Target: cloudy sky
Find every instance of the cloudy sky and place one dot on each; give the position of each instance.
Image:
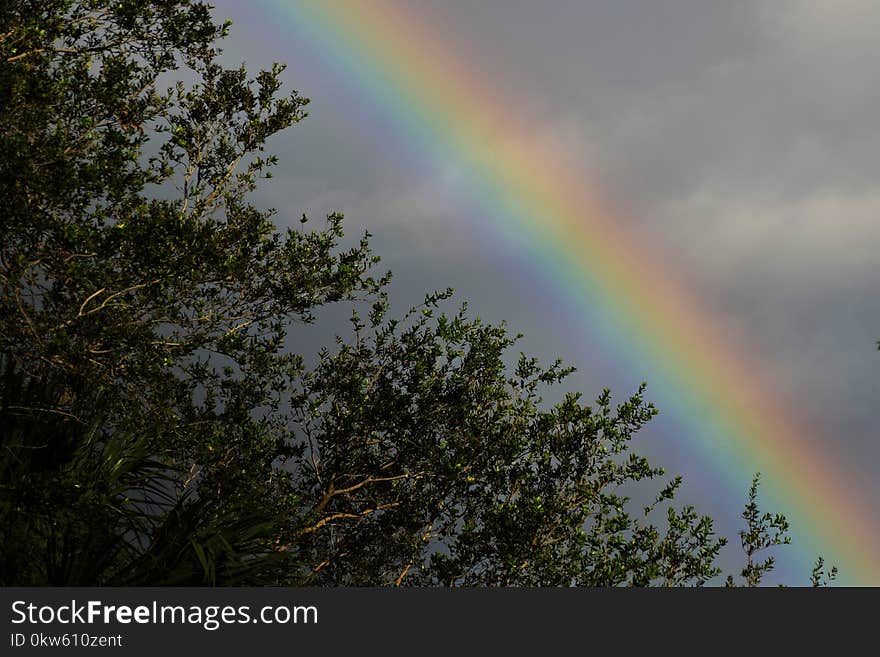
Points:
(739, 140)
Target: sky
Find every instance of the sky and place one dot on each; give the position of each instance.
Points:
(738, 141)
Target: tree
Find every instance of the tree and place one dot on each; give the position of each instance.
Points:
(145, 290)
(155, 411)
(83, 505)
(422, 455)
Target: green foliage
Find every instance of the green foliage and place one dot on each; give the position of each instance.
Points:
(763, 531)
(820, 576)
(136, 277)
(423, 455)
(158, 425)
(80, 506)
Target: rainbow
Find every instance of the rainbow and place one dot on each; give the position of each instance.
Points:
(620, 292)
